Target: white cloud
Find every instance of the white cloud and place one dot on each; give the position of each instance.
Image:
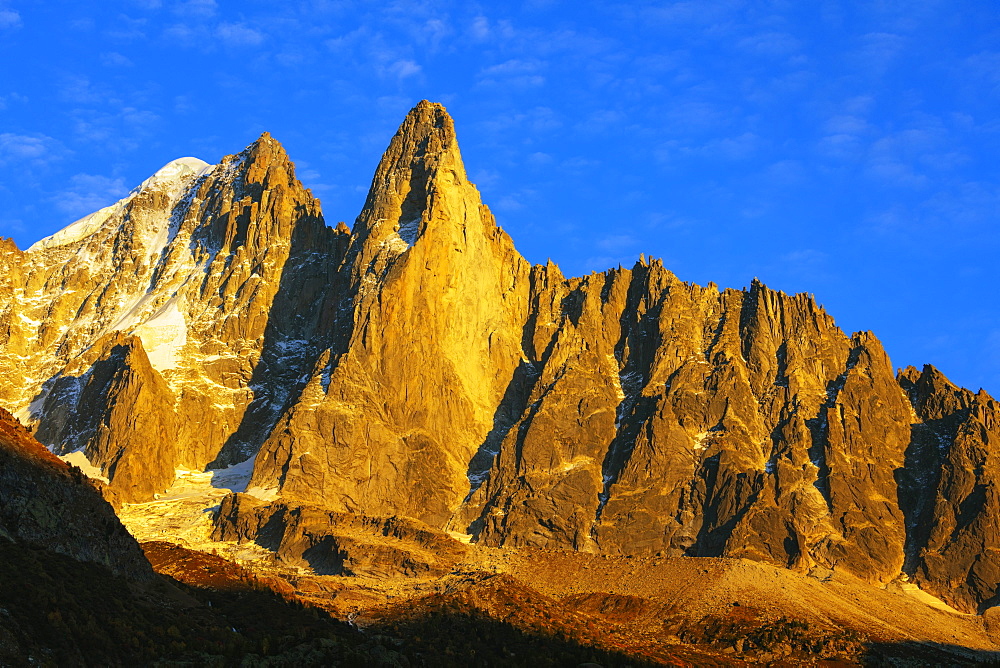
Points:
(117, 130)
(841, 146)
(7, 100)
(617, 243)
(770, 44)
(239, 34)
(435, 30)
(604, 262)
(509, 203)
(786, 173)
(486, 178)
(202, 9)
(513, 66)
(895, 172)
(514, 73)
(730, 148)
(115, 59)
(675, 13)
(579, 165)
(402, 69)
(122, 29)
(846, 124)
(9, 19)
(481, 28)
(879, 50)
(539, 158)
(12, 226)
(688, 116)
(81, 90)
(536, 119)
(29, 149)
(517, 200)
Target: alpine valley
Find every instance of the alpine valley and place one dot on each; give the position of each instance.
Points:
(401, 444)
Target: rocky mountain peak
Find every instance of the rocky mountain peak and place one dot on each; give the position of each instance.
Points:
(421, 163)
(266, 164)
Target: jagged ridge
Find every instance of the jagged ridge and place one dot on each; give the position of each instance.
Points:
(418, 366)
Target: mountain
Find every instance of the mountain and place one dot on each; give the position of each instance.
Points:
(416, 366)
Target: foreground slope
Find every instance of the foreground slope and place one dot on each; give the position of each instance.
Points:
(77, 590)
(49, 505)
(418, 366)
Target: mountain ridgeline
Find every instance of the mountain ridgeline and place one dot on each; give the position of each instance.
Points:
(417, 366)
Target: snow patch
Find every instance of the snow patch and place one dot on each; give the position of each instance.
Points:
(173, 173)
(396, 244)
(408, 231)
(699, 440)
(183, 513)
(575, 463)
(164, 335)
(461, 537)
(172, 178)
(80, 461)
(263, 493)
(77, 231)
(914, 591)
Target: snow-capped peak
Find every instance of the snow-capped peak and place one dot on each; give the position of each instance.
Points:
(175, 172)
(172, 177)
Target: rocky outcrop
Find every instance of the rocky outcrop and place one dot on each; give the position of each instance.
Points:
(332, 543)
(951, 489)
(114, 406)
(667, 418)
(214, 271)
(45, 503)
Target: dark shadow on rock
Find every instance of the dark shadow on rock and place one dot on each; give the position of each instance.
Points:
(301, 323)
(272, 531)
(729, 495)
(326, 557)
(512, 406)
(641, 336)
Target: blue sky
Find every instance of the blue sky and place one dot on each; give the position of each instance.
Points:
(845, 149)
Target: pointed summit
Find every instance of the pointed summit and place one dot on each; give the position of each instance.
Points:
(265, 164)
(425, 136)
(423, 157)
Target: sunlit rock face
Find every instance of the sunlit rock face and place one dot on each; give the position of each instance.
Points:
(417, 366)
(437, 298)
(212, 271)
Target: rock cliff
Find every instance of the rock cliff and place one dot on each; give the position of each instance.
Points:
(416, 366)
(436, 295)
